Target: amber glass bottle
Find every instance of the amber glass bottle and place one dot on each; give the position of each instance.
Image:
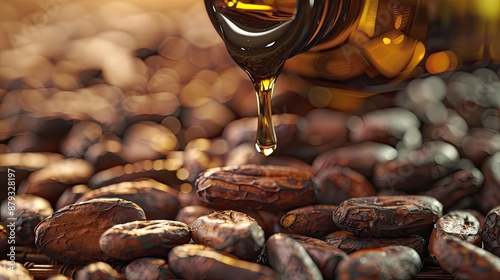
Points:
(356, 48)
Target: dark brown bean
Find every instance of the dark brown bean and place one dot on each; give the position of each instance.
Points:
(81, 136)
(453, 129)
(391, 262)
(158, 200)
(386, 126)
(388, 216)
(106, 153)
(489, 196)
(194, 261)
(456, 186)
(190, 213)
(265, 187)
(479, 144)
(72, 233)
(325, 256)
(161, 170)
(288, 257)
(25, 224)
(29, 202)
(458, 223)
(419, 169)
(97, 270)
(324, 129)
(231, 232)
(360, 157)
(464, 260)
(348, 242)
(23, 164)
(340, 183)
(138, 239)
(313, 220)
(149, 269)
(147, 140)
(71, 195)
(51, 181)
(246, 153)
(491, 231)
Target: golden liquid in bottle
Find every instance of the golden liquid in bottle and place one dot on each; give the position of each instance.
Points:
(260, 37)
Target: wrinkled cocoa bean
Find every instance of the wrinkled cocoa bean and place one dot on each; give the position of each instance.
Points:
(137, 239)
(265, 187)
(194, 261)
(231, 232)
(388, 216)
(314, 220)
(72, 233)
(391, 262)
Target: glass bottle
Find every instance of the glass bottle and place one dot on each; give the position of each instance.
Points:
(354, 48)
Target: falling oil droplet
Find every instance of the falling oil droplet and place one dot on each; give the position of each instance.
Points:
(266, 137)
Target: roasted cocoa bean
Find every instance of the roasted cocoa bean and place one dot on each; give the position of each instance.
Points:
(81, 136)
(51, 181)
(460, 224)
(137, 239)
(464, 260)
(25, 224)
(23, 165)
(72, 233)
(189, 214)
(419, 169)
(386, 126)
(489, 196)
(288, 257)
(360, 157)
(31, 203)
(491, 231)
(456, 186)
(246, 153)
(325, 256)
(229, 231)
(161, 170)
(71, 195)
(106, 153)
(195, 261)
(149, 269)
(348, 242)
(479, 144)
(158, 200)
(313, 220)
(97, 270)
(147, 140)
(337, 184)
(391, 262)
(265, 187)
(388, 216)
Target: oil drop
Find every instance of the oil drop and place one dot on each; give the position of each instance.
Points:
(266, 136)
